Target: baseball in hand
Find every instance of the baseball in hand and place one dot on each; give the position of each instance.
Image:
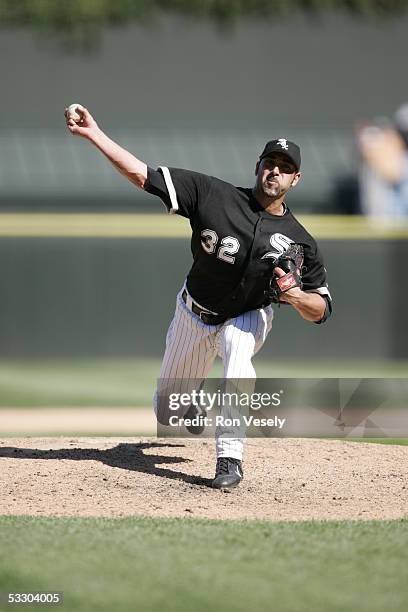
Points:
(75, 112)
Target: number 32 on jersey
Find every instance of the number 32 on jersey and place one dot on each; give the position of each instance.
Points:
(225, 251)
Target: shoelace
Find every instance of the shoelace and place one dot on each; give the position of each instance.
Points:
(222, 466)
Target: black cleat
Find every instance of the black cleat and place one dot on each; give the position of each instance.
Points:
(199, 414)
(228, 473)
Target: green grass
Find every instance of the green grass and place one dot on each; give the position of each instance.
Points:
(398, 441)
(131, 382)
(183, 564)
(92, 382)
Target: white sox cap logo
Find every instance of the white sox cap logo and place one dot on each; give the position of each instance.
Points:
(283, 143)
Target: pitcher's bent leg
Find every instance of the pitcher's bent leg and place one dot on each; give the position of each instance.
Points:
(189, 355)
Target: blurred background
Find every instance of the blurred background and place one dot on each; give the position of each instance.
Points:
(90, 266)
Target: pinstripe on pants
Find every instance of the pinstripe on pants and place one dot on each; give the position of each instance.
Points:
(192, 346)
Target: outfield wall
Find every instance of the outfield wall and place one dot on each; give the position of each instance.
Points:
(75, 297)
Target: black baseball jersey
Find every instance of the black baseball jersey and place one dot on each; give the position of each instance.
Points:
(235, 242)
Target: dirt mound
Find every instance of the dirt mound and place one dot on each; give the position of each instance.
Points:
(287, 479)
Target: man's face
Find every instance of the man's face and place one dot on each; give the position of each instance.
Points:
(275, 175)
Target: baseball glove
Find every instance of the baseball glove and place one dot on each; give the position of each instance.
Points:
(290, 262)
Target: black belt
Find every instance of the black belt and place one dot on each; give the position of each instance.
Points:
(206, 317)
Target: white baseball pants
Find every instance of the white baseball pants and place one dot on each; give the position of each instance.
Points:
(192, 346)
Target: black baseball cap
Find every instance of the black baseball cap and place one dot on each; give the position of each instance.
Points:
(281, 145)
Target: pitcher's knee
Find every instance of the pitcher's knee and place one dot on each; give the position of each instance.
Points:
(161, 408)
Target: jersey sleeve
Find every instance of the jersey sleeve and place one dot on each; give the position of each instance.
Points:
(314, 278)
(182, 191)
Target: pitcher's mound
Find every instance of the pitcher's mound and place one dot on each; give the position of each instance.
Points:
(287, 479)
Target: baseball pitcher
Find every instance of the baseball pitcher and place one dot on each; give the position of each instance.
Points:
(249, 252)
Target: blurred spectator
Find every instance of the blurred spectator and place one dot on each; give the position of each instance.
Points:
(383, 174)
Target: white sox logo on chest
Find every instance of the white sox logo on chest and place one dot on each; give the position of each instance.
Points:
(280, 243)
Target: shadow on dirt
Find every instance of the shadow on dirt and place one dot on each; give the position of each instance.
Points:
(124, 456)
